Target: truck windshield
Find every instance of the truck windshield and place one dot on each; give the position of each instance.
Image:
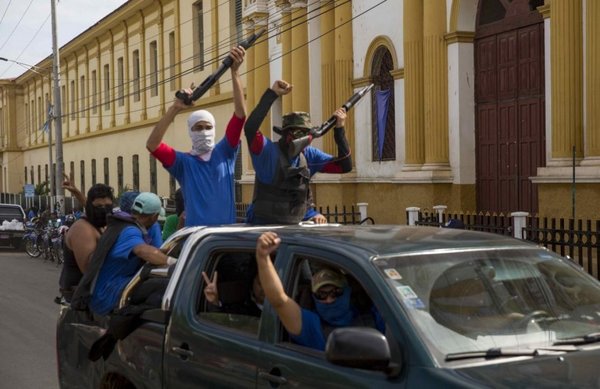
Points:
(464, 301)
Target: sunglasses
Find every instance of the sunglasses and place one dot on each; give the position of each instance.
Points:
(299, 132)
(323, 294)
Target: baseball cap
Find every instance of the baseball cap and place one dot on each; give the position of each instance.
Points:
(296, 120)
(327, 277)
(127, 199)
(147, 203)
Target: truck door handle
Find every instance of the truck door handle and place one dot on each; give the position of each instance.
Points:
(276, 379)
(184, 352)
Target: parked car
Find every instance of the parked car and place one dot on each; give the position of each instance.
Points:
(462, 309)
(12, 225)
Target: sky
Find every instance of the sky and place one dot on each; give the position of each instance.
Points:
(26, 28)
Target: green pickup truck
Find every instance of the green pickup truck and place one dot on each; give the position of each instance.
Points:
(462, 309)
(12, 225)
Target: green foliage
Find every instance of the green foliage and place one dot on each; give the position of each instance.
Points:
(42, 189)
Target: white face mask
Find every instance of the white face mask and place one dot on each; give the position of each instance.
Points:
(202, 141)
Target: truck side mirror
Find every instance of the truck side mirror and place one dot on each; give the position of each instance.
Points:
(360, 347)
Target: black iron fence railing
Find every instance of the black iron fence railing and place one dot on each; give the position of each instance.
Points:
(336, 214)
(577, 239)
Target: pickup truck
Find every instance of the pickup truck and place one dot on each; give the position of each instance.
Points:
(12, 225)
(462, 309)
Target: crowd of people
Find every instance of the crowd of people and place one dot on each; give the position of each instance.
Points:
(105, 249)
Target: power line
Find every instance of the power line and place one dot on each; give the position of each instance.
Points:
(168, 79)
(17, 25)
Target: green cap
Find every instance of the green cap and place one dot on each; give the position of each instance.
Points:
(327, 276)
(296, 120)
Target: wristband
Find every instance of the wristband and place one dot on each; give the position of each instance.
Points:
(171, 261)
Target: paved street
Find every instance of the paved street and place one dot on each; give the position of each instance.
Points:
(27, 321)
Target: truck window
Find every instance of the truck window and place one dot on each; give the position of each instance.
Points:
(364, 312)
(230, 294)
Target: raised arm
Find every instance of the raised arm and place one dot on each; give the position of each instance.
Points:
(159, 130)
(68, 185)
(287, 309)
(343, 163)
(252, 126)
(239, 103)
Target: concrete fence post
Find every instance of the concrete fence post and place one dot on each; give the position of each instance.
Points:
(519, 222)
(413, 215)
(362, 208)
(440, 209)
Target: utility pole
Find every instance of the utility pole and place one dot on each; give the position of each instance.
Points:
(50, 111)
(60, 191)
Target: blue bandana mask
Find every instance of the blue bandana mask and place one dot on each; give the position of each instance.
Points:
(338, 313)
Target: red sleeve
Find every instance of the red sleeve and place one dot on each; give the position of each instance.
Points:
(332, 167)
(257, 143)
(165, 154)
(234, 130)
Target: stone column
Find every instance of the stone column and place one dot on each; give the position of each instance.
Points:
(413, 84)
(300, 99)
(286, 50)
(435, 96)
(567, 80)
(592, 77)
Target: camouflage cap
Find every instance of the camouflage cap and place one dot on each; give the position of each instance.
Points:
(327, 276)
(296, 120)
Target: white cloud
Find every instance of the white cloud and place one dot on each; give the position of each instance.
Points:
(72, 17)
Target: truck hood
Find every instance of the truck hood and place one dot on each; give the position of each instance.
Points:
(578, 369)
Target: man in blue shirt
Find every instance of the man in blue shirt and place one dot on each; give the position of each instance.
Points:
(331, 295)
(206, 172)
(137, 243)
(284, 168)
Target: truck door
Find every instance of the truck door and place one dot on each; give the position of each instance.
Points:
(216, 344)
(285, 364)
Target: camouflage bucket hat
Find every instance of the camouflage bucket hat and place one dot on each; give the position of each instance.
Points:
(296, 120)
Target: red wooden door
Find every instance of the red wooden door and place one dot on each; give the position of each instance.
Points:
(509, 97)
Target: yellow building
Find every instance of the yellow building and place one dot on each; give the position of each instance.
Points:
(490, 101)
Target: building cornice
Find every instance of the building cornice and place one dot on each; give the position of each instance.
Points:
(459, 37)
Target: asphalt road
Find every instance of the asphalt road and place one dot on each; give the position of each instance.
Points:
(27, 321)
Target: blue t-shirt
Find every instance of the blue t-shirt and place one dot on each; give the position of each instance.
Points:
(119, 267)
(312, 333)
(267, 162)
(207, 186)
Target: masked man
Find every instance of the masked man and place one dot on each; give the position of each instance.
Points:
(82, 237)
(206, 173)
(330, 293)
(283, 169)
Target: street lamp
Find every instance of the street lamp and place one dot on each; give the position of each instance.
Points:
(33, 68)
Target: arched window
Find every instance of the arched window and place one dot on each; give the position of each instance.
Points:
(382, 108)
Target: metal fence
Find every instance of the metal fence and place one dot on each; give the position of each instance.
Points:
(40, 202)
(577, 239)
(337, 214)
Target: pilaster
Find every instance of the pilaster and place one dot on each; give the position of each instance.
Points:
(343, 68)
(327, 22)
(299, 59)
(567, 81)
(413, 84)
(435, 96)
(592, 78)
